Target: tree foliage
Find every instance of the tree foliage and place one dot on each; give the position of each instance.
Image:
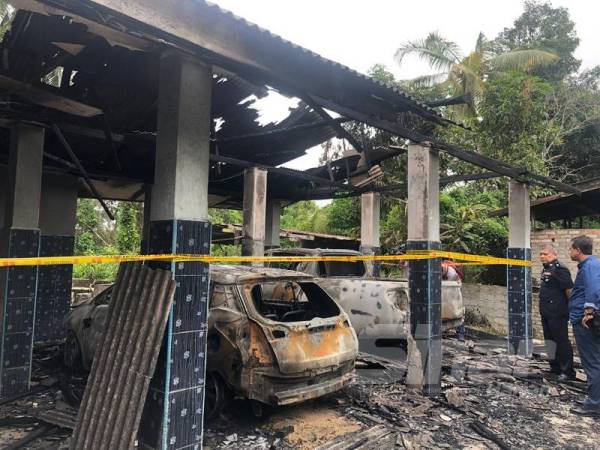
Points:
(127, 228)
(543, 26)
(304, 216)
(343, 216)
(514, 125)
(96, 235)
(459, 75)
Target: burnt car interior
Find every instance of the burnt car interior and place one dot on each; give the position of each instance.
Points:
(290, 301)
(341, 269)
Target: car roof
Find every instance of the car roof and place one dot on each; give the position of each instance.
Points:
(228, 274)
(313, 251)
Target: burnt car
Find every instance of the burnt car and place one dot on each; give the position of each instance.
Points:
(378, 307)
(274, 337)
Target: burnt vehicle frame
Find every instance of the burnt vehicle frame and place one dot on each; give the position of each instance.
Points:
(275, 337)
(378, 308)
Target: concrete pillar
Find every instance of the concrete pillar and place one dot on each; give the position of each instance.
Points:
(173, 416)
(255, 210)
(273, 224)
(145, 238)
(58, 216)
(20, 238)
(425, 276)
(369, 226)
(519, 292)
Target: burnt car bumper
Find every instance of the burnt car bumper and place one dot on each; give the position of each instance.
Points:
(300, 394)
(282, 390)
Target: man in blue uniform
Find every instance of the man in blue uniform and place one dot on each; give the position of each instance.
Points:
(584, 314)
(555, 289)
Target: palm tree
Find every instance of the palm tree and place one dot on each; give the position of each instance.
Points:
(6, 14)
(464, 76)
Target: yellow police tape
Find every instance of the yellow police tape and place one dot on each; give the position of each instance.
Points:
(465, 258)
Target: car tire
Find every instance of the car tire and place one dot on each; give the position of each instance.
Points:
(72, 353)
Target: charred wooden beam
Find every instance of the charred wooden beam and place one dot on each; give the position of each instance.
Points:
(84, 174)
(472, 157)
(457, 100)
(111, 143)
(278, 170)
(342, 132)
(468, 177)
(284, 131)
(327, 193)
(44, 96)
(205, 29)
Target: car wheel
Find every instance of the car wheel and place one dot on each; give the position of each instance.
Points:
(214, 395)
(72, 353)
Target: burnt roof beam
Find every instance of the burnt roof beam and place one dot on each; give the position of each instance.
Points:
(284, 131)
(230, 42)
(472, 157)
(82, 170)
(278, 170)
(235, 44)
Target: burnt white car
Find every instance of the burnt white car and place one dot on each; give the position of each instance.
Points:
(275, 337)
(378, 307)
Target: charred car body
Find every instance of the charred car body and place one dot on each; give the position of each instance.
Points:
(274, 336)
(378, 308)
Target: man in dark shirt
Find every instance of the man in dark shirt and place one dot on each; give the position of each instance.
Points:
(555, 288)
(584, 307)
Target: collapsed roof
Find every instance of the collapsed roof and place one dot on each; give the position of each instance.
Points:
(90, 67)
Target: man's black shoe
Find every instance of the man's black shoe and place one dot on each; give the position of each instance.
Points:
(587, 412)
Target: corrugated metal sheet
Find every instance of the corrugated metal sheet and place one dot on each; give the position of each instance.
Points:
(413, 103)
(63, 418)
(125, 359)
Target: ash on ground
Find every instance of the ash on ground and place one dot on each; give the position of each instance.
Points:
(489, 400)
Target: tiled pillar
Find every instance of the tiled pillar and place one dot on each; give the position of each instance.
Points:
(173, 416)
(369, 226)
(20, 238)
(518, 278)
(58, 216)
(425, 276)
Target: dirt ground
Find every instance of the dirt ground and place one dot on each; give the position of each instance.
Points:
(489, 400)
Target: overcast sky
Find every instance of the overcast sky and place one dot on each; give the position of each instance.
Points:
(360, 33)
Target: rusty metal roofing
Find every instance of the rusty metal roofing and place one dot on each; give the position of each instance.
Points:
(125, 359)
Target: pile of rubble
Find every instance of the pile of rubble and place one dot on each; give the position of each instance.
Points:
(489, 400)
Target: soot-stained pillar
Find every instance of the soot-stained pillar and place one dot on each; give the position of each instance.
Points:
(369, 226)
(273, 224)
(173, 415)
(58, 216)
(20, 238)
(255, 204)
(519, 277)
(146, 220)
(425, 276)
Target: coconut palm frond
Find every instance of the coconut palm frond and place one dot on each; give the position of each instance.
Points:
(523, 59)
(439, 53)
(427, 80)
